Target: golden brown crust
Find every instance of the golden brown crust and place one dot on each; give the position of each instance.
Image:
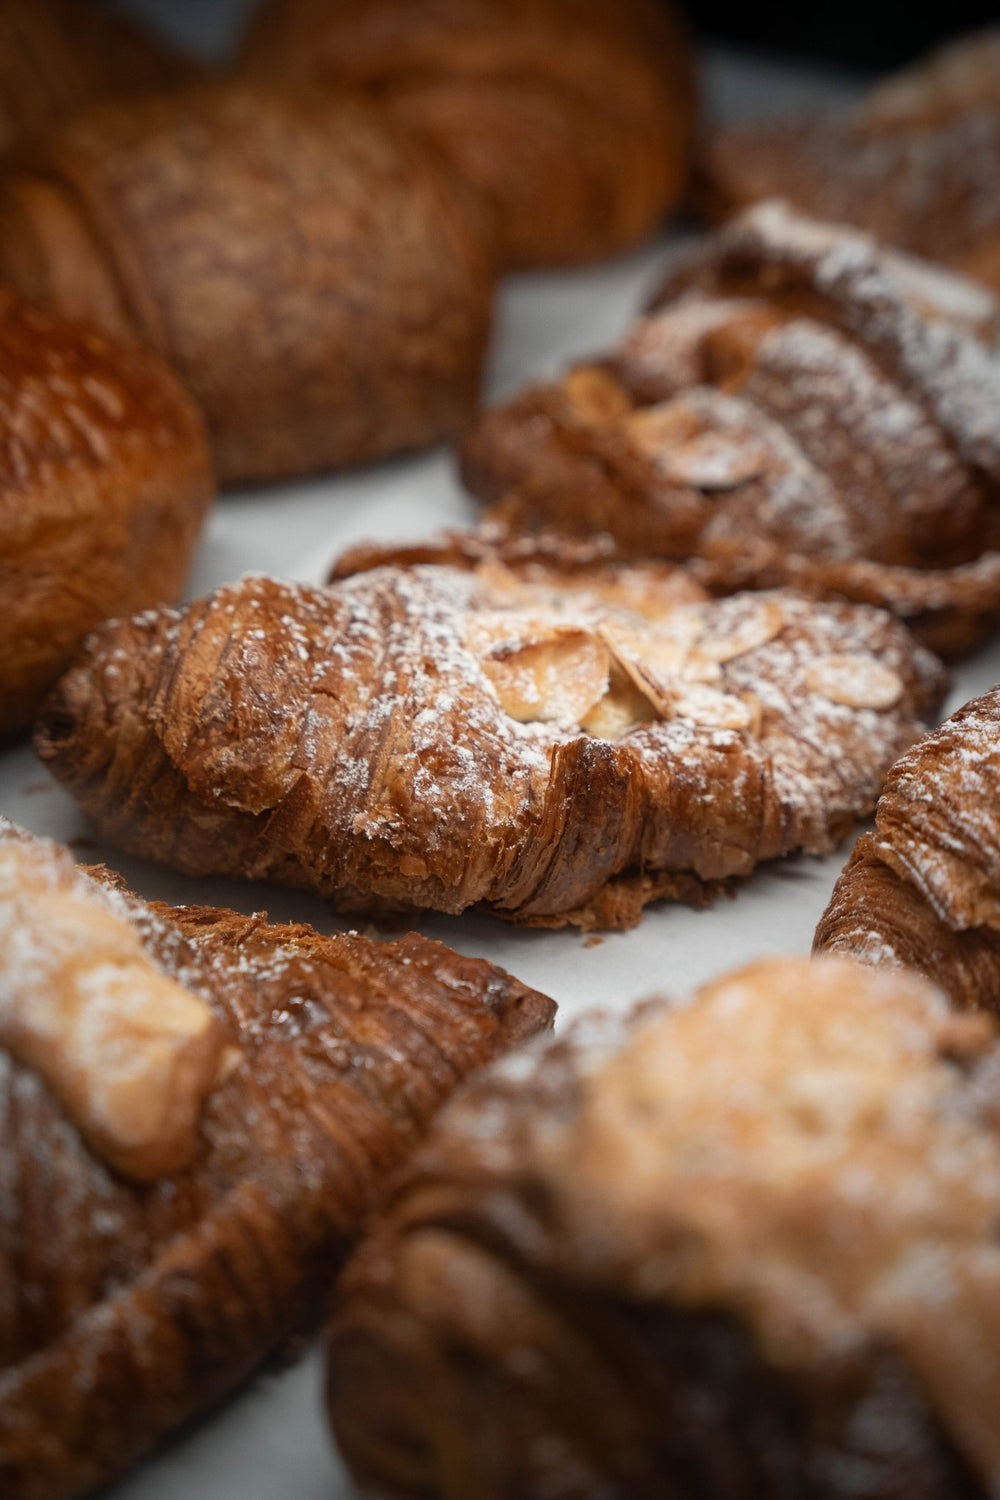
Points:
(924, 889)
(917, 163)
(800, 406)
(742, 1247)
(127, 1309)
(570, 120)
(58, 55)
(172, 219)
(556, 743)
(104, 481)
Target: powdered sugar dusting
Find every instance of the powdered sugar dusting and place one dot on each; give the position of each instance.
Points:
(129, 1051)
(936, 360)
(441, 736)
(938, 816)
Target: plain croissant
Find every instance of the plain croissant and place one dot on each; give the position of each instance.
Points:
(569, 121)
(743, 1247)
(555, 741)
(799, 406)
(126, 1307)
(306, 272)
(104, 481)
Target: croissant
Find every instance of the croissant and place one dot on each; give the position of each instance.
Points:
(312, 280)
(570, 121)
(745, 1247)
(58, 55)
(553, 742)
(131, 1303)
(801, 407)
(923, 890)
(917, 163)
(104, 481)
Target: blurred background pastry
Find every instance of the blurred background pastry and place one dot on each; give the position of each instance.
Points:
(105, 480)
(309, 276)
(739, 1247)
(569, 120)
(800, 405)
(917, 162)
(58, 55)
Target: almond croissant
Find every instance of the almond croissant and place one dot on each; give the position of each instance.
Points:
(924, 889)
(917, 162)
(554, 744)
(105, 479)
(308, 274)
(128, 1306)
(800, 406)
(741, 1248)
(569, 121)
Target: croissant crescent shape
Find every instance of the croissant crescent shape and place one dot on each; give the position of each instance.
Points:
(799, 406)
(127, 1308)
(924, 889)
(742, 1247)
(554, 742)
(305, 270)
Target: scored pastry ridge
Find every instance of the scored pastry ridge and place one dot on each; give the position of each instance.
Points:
(556, 751)
(128, 1308)
(923, 890)
(799, 406)
(105, 480)
(569, 122)
(314, 280)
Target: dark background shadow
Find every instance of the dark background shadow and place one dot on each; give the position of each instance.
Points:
(852, 33)
(861, 34)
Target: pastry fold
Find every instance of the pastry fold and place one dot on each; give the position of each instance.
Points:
(308, 273)
(128, 1308)
(569, 122)
(799, 406)
(740, 1247)
(923, 890)
(554, 741)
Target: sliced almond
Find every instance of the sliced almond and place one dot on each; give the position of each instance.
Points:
(557, 678)
(706, 705)
(650, 660)
(762, 622)
(854, 681)
(673, 436)
(130, 1053)
(595, 398)
(623, 707)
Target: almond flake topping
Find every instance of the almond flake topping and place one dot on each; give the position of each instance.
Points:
(130, 1054)
(855, 682)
